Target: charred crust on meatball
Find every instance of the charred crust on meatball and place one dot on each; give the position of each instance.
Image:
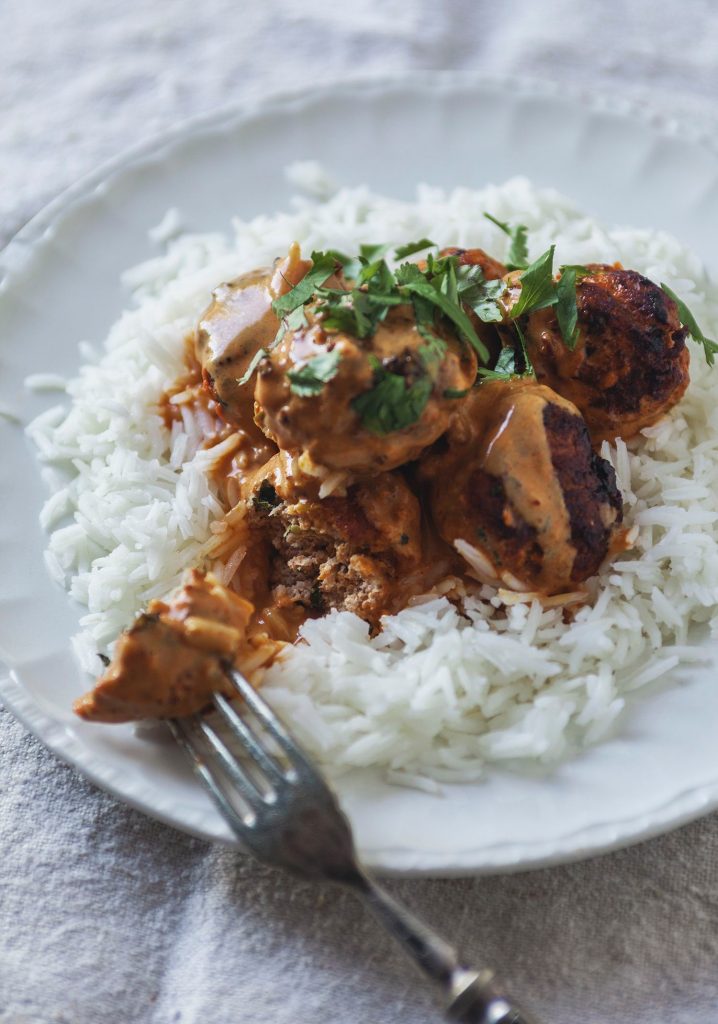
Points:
(590, 492)
(645, 357)
(513, 542)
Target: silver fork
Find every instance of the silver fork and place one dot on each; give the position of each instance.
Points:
(284, 812)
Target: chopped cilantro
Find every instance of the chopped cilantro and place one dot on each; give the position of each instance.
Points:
(479, 295)
(710, 347)
(324, 265)
(369, 253)
(310, 379)
(450, 309)
(456, 392)
(351, 265)
(411, 247)
(256, 360)
(505, 366)
(537, 286)
(566, 308)
(518, 254)
(391, 405)
(528, 365)
(434, 349)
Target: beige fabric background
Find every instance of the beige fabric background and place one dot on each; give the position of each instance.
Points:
(106, 916)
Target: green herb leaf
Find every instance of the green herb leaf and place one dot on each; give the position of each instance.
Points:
(337, 317)
(323, 267)
(310, 379)
(257, 358)
(369, 271)
(351, 265)
(518, 254)
(292, 322)
(433, 352)
(390, 405)
(505, 366)
(710, 347)
(528, 365)
(479, 295)
(581, 271)
(369, 253)
(566, 308)
(411, 247)
(537, 286)
(456, 392)
(452, 311)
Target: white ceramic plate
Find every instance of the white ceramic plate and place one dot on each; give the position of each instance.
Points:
(62, 284)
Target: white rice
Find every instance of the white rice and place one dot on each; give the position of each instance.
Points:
(436, 695)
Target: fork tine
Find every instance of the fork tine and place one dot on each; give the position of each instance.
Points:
(241, 779)
(182, 732)
(272, 724)
(239, 727)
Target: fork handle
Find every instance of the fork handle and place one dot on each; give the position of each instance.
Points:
(476, 999)
(473, 996)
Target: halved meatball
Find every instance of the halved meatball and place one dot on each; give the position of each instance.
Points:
(519, 491)
(347, 552)
(630, 364)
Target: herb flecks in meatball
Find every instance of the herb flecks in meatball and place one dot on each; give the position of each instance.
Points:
(348, 551)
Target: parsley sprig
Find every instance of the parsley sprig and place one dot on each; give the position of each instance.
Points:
(710, 347)
(310, 378)
(518, 254)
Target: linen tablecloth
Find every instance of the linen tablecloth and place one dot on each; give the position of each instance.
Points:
(107, 916)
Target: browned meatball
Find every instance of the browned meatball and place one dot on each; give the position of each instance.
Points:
(348, 552)
(519, 491)
(630, 365)
(236, 325)
(332, 427)
(492, 269)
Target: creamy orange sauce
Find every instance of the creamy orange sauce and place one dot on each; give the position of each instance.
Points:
(173, 658)
(325, 426)
(500, 431)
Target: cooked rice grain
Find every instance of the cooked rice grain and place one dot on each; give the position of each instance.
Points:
(438, 693)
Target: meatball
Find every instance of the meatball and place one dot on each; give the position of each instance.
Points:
(387, 400)
(236, 325)
(348, 552)
(519, 491)
(491, 268)
(630, 364)
(172, 659)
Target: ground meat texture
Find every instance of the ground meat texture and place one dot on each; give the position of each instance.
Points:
(519, 491)
(347, 552)
(630, 364)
